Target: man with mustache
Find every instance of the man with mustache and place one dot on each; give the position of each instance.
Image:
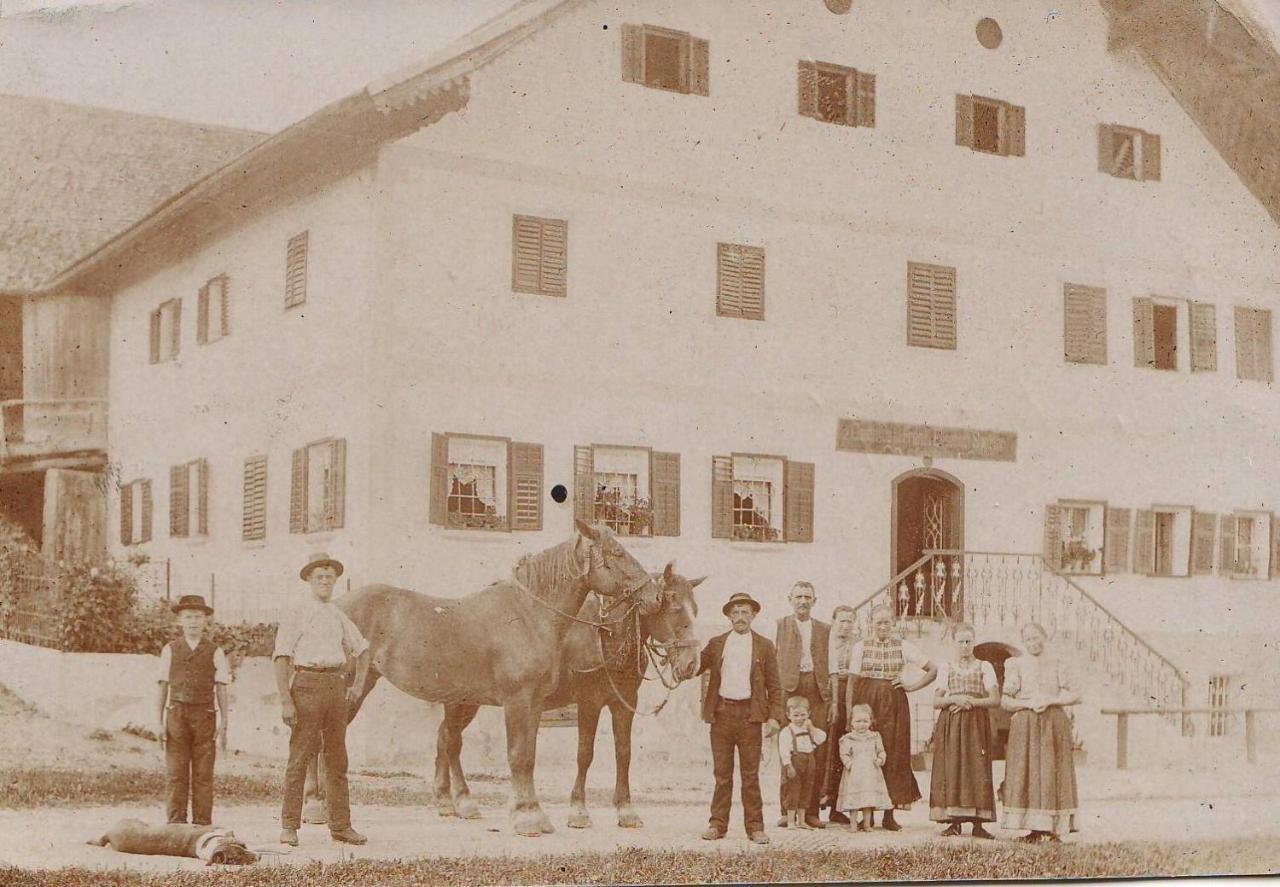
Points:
(803, 645)
(741, 693)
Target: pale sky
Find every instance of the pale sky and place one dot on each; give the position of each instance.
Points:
(255, 64)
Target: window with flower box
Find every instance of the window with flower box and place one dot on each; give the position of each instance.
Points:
(1075, 536)
(481, 482)
(761, 498)
(634, 491)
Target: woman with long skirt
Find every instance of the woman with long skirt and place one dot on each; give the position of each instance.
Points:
(1040, 773)
(878, 662)
(960, 788)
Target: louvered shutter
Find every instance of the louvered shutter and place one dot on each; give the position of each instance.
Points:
(964, 120)
(179, 509)
(1227, 545)
(202, 316)
(147, 510)
(525, 498)
(438, 497)
(864, 109)
(1204, 528)
(1106, 149)
(1144, 543)
(740, 281)
(664, 483)
(722, 497)
(177, 327)
(126, 514)
(1263, 359)
(1150, 157)
(224, 306)
(699, 67)
(1244, 344)
(1053, 536)
(798, 492)
(632, 54)
(1253, 344)
(554, 257)
(253, 524)
(1084, 324)
(298, 492)
(1274, 570)
(1015, 135)
(155, 336)
(1144, 333)
(931, 306)
(295, 278)
(584, 484)
(202, 504)
(526, 255)
(1204, 337)
(1116, 549)
(807, 89)
(335, 494)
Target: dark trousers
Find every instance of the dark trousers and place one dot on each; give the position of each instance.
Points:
(833, 768)
(808, 688)
(734, 729)
(188, 759)
(797, 792)
(321, 701)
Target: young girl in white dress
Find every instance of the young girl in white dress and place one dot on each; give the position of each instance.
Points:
(862, 787)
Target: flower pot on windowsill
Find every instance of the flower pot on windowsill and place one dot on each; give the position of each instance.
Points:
(757, 533)
(625, 517)
(488, 521)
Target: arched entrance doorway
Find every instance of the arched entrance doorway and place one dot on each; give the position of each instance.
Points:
(996, 654)
(928, 513)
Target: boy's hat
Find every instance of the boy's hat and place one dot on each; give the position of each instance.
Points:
(320, 559)
(192, 602)
(740, 597)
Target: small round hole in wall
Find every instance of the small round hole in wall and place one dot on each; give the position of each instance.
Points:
(989, 33)
(839, 7)
(559, 493)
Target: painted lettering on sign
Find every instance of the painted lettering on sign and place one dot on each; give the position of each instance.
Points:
(902, 439)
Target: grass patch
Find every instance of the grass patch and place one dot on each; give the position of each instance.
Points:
(923, 863)
(140, 732)
(101, 735)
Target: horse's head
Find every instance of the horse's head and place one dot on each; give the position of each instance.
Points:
(671, 628)
(612, 572)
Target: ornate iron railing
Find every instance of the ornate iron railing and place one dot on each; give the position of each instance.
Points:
(999, 589)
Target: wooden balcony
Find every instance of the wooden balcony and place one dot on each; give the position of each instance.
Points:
(40, 434)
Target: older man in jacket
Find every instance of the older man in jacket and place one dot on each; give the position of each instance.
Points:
(803, 650)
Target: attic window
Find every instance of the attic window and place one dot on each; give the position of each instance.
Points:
(989, 33)
(661, 58)
(1128, 153)
(991, 126)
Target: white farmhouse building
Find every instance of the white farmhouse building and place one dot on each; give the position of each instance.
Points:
(779, 290)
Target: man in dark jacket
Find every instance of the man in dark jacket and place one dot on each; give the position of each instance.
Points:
(742, 692)
(803, 650)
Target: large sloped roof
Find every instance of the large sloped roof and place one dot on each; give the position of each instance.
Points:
(73, 177)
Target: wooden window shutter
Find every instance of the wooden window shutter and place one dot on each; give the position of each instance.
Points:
(1262, 344)
(864, 109)
(1014, 138)
(202, 504)
(740, 281)
(964, 121)
(633, 54)
(722, 497)
(555, 257)
(1106, 148)
(224, 310)
(1084, 324)
(1204, 528)
(147, 511)
(699, 67)
(1204, 337)
(295, 270)
(177, 326)
(1144, 543)
(1227, 545)
(438, 497)
(931, 306)
(797, 495)
(1150, 157)
(155, 336)
(179, 509)
(524, 473)
(298, 492)
(1274, 571)
(126, 514)
(1144, 333)
(1116, 548)
(335, 494)
(1053, 536)
(807, 89)
(202, 316)
(526, 255)
(1253, 344)
(584, 484)
(253, 524)
(664, 493)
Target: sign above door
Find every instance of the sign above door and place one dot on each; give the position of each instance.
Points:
(902, 439)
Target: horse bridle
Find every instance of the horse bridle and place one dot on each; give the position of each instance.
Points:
(595, 560)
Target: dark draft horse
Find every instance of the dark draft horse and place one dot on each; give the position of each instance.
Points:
(502, 645)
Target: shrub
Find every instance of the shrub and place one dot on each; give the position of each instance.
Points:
(94, 606)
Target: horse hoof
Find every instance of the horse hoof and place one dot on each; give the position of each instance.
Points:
(630, 820)
(532, 823)
(579, 820)
(467, 808)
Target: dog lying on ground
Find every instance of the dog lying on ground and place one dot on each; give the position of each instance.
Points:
(216, 846)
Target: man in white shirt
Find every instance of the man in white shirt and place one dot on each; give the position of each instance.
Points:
(313, 643)
(742, 693)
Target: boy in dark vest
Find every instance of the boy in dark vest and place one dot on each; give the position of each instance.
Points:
(193, 675)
